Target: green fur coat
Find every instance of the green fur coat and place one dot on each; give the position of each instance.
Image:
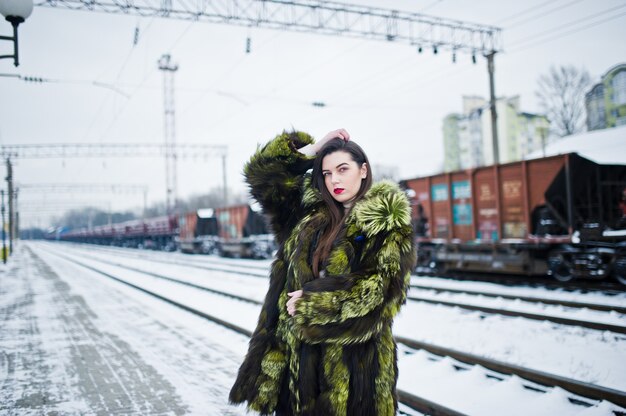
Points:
(336, 356)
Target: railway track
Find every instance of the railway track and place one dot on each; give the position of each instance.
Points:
(229, 267)
(531, 299)
(534, 316)
(505, 312)
(549, 380)
(609, 287)
(412, 401)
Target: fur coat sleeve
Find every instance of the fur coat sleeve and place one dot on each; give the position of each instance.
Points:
(349, 308)
(275, 174)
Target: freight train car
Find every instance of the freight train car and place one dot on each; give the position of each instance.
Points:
(243, 232)
(198, 232)
(155, 233)
(562, 215)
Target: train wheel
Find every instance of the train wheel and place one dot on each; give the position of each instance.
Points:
(563, 274)
(619, 270)
(561, 268)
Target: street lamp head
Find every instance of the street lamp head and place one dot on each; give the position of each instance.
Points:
(16, 10)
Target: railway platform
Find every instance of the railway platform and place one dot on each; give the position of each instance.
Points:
(67, 349)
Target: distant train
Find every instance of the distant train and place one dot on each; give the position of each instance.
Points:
(235, 231)
(562, 215)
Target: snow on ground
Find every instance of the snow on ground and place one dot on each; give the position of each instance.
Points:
(108, 349)
(247, 286)
(184, 349)
(477, 394)
(583, 314)
(586, 355)
(494, 288)
(237, 312)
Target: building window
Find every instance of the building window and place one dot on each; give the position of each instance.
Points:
(619, 88)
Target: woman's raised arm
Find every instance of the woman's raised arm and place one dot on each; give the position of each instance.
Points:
(275, 174)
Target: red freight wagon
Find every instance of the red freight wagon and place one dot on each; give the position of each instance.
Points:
(561, 215)
(198, 232)
(243, 232)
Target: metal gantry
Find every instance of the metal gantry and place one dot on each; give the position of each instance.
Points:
(321, 17)
(10, 152)
(327, 18)
(68, 150)
(116, 188)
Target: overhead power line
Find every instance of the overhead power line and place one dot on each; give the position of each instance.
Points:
(541, 14)
(537, 39)
(41, 80)
(63, 150)
(525, 11)
(82, 188)
(320, 17)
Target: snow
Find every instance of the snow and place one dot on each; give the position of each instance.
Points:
(185, 362)
(193, 362)
(493, 288)
(583, 354)
(583, 314)
(606, 146)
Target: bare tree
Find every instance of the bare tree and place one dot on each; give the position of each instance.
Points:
(561, 95)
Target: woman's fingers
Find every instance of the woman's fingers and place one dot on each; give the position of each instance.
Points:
(339, 133)
(291, 303)
(343, 134)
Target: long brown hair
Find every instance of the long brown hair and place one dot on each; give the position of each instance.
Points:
(336, 210)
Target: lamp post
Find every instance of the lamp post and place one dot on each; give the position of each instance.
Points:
(15, 12)
(4, 245)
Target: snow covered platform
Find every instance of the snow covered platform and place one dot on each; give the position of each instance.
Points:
(76, 342)
(71, 344)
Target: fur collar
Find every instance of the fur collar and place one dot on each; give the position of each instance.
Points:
(383, 208)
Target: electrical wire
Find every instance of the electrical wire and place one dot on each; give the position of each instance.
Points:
(117, 78)
(542, 14)
(430, 6)
(218, 80)
(271, 92)
(121, 111)
(523, 12)
(524, 43)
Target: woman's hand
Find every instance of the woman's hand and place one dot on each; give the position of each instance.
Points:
(313, 149)
(291, 303)
(339, 133)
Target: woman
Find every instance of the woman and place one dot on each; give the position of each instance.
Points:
(323, 342)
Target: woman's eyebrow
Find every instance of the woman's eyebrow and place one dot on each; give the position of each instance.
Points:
(339, 165)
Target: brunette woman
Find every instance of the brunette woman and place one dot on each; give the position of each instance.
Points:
(323, 343)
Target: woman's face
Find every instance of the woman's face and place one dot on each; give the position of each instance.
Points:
(342, 175)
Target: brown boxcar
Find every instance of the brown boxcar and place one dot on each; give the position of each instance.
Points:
(561, 215)
(243, 232)
(198, 232)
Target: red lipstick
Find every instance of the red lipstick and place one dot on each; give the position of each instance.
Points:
(337, 191)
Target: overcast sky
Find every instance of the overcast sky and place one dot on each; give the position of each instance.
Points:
(390, 98)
